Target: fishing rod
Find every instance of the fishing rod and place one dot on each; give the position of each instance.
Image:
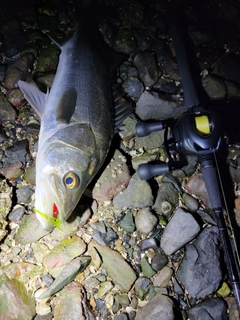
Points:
(197, 132)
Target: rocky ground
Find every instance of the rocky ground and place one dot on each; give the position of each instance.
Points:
(133, 249)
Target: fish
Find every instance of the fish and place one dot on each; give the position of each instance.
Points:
(78, 121)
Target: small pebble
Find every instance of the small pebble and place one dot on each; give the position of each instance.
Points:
(148, 243)
(145, 221)
(17, 213)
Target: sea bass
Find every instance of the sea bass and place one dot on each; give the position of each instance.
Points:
(77, 126)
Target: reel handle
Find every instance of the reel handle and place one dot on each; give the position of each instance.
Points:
(144, 129)
(146, 171)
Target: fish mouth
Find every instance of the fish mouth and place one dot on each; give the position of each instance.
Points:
(48, 222)
(48, 208)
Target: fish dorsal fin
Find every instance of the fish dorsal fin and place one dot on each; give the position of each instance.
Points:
(66, 105)
(123, 106)
(36, 98)
(59, 43)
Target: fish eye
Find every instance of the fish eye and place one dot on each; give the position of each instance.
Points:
(71, 180)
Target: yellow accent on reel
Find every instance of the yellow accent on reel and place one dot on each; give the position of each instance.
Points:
(202, 125)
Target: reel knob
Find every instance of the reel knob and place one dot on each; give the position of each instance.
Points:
(146, 171)
(144, 129)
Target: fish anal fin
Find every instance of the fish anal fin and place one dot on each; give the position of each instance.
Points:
(66, 105)
(35, 97)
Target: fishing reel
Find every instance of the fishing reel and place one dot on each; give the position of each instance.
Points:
(196, 132)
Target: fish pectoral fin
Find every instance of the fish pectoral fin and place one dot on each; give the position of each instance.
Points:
(36, 98)
(124, 106)
(66, 105)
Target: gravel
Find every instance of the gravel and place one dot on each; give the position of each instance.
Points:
(132, 249)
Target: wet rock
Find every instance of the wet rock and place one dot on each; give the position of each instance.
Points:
(103, 289)
(138, 194)
(160, 307)
(127, 71)
(71, 303)
(5, 205)
(114, 179)
(117, 268)
(147, 270)
(233, 90)
(146, 64)
(40, 251)
(163, 277)
(30, 175)
(47, 79)
(200, 270)
(167, 199)
(12, 171)
(63, 253)
(191, 202)
(151, 141)
(111, 236)
(196, 186)
(214, 87)
(15, 97)
(133, 87)
(145, 38)
(181, 229)
(122, 316)
(170, 67)
(124, 41)
(67, 275)
(159, 260)
(18, 70)
(212, 308)
(166, 86)
(122, 299)
(30, 230)
(101, 305)
(128, 130)
(233, 313)
(207, 217)
(22, 271)
(99, 226)
(91, 283)
(17, 152)
(151, 106)
(6, 110)
(127, 222)
(143, 287)
(147, 41)
(17, 213)
(149, 243)
(47, 58)
(145, 157)
(15, 301)
(145, 221)
(3, 136)
(104, 235)
(24, 195)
